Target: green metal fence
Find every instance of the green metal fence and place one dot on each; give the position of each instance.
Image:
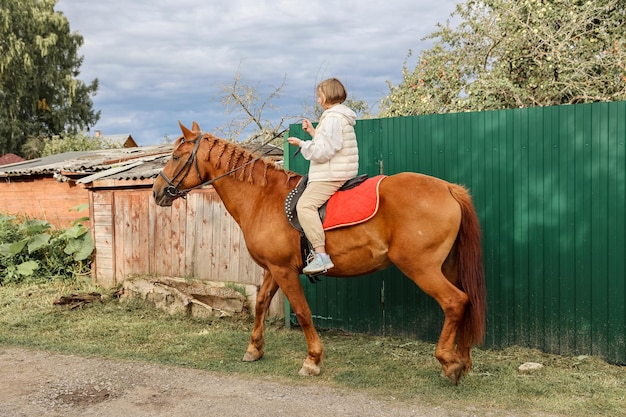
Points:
(549, 185)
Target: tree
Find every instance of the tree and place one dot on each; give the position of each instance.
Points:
(360, 107)
(509, 54)
(248, 110)
(243, 101)
(39, 146)
(39, 92)
(76, 142)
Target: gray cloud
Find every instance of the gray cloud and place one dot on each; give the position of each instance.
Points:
(159, 61)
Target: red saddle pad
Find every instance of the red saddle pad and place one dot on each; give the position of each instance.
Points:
(353, 206)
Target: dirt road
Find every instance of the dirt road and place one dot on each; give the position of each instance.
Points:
(36, 383)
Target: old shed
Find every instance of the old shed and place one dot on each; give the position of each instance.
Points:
(195, 237)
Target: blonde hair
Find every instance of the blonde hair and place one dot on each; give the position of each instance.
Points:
(333, 91)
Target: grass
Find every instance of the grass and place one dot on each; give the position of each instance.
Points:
(388, 367)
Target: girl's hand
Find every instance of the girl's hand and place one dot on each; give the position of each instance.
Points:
(308, 127)
(294, 141)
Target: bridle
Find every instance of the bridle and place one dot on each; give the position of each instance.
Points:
(172, 189)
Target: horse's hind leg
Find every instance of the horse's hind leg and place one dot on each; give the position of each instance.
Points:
(264, 298)
(453, 302)
(464, 349)
(464, 344)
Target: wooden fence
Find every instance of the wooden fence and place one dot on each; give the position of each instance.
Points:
(194, 238)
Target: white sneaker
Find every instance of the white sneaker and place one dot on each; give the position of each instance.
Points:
(320, 263)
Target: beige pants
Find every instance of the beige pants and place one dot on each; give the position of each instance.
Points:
(314, 196)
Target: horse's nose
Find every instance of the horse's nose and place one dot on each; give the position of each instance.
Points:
(157, 196)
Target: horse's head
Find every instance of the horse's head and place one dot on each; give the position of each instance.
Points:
(181, 173)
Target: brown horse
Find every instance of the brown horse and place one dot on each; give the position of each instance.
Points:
(427, 227)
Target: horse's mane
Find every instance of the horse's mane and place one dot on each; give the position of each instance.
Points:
(233, 156)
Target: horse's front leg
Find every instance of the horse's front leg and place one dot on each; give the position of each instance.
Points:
(311, 365)
(289, 282)
(264, 298)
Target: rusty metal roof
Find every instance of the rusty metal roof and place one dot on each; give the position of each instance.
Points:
(10, 158)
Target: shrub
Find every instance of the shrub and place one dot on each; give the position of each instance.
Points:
(31, 250)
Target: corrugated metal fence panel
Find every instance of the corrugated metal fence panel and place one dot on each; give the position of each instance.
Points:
(549, 185)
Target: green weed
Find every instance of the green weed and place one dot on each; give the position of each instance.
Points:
(31, 250)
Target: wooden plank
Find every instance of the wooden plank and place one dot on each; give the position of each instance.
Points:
(176, 237)
(203, 244)
(151, 214)
(161, 241)
(194, 201)
(223, 247)
(102, 231)
(135, 246)
(143, 247)
(121, 242)
(102, 197)
(213, 230)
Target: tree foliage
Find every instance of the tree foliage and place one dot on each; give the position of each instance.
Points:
(510, 54)
(360, 107)
(39, 146)
(80, 142)
(39, 91)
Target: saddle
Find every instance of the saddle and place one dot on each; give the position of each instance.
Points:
(295, 194)
(355, 202)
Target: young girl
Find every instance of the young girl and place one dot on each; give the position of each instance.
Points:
(334, 157)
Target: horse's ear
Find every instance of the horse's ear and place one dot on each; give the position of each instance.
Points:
(187, 134)
(195, 127)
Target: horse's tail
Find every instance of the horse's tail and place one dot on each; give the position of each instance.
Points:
(471, 274)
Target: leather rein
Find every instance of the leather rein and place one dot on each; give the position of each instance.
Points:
(172, 189)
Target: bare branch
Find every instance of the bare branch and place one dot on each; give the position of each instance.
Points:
(249, 110)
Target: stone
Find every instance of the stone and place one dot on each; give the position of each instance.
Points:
(530, 367)
(192, 297)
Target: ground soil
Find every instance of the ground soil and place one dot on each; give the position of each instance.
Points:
(37, 383)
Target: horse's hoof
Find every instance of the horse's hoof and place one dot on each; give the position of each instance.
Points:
(467, 368)
(454, 372)
(309, 369)
(252, 355)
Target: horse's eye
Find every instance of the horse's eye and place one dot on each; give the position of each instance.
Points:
(175, 157)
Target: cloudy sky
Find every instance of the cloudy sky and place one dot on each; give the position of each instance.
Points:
(160, 61)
